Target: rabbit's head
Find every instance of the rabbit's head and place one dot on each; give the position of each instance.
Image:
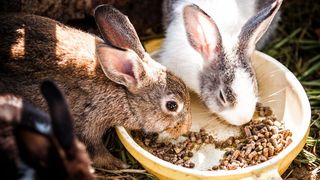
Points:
(158, 100)
(228, 84)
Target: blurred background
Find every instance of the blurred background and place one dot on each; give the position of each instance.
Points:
(296, 44)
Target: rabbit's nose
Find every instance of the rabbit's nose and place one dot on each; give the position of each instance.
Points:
(238, 115)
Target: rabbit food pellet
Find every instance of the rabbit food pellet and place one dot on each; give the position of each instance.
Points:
(262, 138)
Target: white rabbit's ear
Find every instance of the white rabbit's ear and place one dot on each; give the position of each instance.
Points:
(122, 66)
(202, 32)
(256, 26)
(117, 30)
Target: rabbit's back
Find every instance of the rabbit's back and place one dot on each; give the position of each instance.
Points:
(30, 40)
(34, 48)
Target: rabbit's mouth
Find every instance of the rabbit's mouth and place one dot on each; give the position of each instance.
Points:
(177, 130)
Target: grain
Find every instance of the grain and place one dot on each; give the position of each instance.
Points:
(263, 138)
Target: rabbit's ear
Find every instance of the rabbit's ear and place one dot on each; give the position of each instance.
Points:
(202, 32)
(122, 66)
(117, 30)
(61, 119)
(256, 26)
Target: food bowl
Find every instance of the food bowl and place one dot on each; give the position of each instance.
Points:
(279, 89)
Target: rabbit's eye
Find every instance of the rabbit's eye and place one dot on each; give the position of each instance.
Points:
(172, 105)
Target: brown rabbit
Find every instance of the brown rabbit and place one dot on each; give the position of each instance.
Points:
(33, 147)
(107, 83)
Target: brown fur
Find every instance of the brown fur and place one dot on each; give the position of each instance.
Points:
(10, 107)
(20, 139)
(34, 48)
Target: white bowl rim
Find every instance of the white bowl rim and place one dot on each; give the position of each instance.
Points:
(268, 164)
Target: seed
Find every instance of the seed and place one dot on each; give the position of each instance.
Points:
(230, 141)
(260, 135)
(225, 163)
(215, 167)
(206, 140)
(274, 142)
(259, 148)
(274, 130)
(199, 141)
(177, 149)
(174, 159)
(231, 167)
(271, 151)
(247, 131)
(182, 153)
(266, 152)
(191, 165)
(279, 147)
(261, 112)
(267, 134)
(243, 154)
(248, 150)
(229, 156)
(268, 111)
(288, 141)
(180, 162)
(193, 138)
(186, 158)
(235, 154)
(264, 144)
(190, 154)
(166, 158)
(252, 154)
(269, 122)
(263, 158)
(147, 141)
(211, 140)
(190, 145)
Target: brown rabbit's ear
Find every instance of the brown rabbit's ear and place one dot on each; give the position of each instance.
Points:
(202, 32)
(61, 119)
(256, 26)
(122, 67)
(117, 30)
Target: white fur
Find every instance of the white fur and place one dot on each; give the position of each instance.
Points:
(246, 101)
(179, 57)
(177, 54)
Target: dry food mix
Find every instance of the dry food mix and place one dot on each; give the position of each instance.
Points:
(261, 139)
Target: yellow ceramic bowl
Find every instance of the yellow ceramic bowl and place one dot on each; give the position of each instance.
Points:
(279, 89)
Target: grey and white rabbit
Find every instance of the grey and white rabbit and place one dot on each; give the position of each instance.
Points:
(209, 44)
(107, 82)
(34, 145)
